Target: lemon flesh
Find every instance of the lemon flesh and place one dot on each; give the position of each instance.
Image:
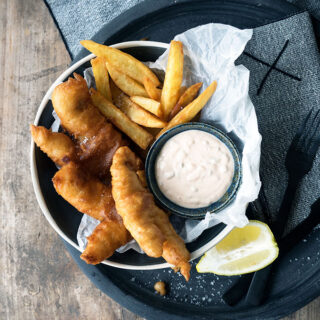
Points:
(243, 250)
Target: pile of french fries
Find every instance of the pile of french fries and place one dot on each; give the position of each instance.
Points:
(134, 99)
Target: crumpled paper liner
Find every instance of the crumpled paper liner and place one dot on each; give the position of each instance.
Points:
(209, 54)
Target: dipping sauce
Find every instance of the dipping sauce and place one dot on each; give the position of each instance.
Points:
(194, 169)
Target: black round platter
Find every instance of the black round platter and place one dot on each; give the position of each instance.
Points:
(296, 280)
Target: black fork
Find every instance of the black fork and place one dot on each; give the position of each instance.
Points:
(299, 159)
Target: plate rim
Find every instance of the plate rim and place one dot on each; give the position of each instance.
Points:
(34, 170)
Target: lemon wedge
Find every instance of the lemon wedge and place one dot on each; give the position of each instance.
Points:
(243, 250)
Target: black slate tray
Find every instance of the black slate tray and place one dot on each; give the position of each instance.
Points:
(296, 280)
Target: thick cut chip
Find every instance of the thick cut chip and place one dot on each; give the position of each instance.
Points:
(151, 105)
(192, 109)
(182, 90)
(185, 99)
(128, 85)
(101, 76)
(122, 61)
(173, 78)
(135, 112)
(153, 92)
(139, 135)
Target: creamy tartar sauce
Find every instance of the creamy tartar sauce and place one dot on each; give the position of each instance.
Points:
(194, 169)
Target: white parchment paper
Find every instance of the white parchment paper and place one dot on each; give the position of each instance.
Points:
(210, 52)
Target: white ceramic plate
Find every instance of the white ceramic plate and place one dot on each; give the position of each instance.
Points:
(35, 173)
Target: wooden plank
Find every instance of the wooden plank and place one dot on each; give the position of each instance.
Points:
(38, 279)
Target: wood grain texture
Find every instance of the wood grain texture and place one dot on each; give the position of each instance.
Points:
(38, 279)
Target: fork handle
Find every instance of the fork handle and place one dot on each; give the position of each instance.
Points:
(259, 281)
(257, 287)
(239, 289)
(285, 208)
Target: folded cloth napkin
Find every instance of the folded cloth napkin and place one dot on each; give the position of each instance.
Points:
(79, 20)
(282, 100)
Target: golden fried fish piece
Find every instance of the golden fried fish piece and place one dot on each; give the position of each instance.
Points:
(96, 153)
(84, 191)
(148, 224)
(58, 146)
(72, 103)
(90, 196)
(104, 240)
(98, 139)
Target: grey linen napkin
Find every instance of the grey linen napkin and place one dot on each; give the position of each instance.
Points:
(283, 101)
(79, 20)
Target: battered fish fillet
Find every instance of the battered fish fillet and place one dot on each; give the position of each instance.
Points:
(96, 153)
(108, 236)
(85, 192)
(148, 224)
(72, 103)
(98, 139)
(90, 196)
(59, 147)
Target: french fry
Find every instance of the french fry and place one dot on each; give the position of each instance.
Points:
(173, 78)
(192, 109)
(115, 91)
(125, 83)
(140, 136)
(182, 90)
(151, 105)
(185, 99)
(122, 61)
(152, 91)
(101, 76)
(135, 112)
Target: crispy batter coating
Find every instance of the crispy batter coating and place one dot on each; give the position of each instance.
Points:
(91, 154)
(90, 196)
(142, 177)
(108, 236)
(96, 154)
(72, 103)
(98, 139)
(58, 146)
(148, 224)
(85, 192)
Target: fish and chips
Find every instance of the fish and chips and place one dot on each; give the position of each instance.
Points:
(99, 173)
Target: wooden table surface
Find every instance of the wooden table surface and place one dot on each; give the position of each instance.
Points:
(38, 279)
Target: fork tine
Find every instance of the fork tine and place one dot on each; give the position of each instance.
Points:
(303, 131)
(314, 139)
(308, 136)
